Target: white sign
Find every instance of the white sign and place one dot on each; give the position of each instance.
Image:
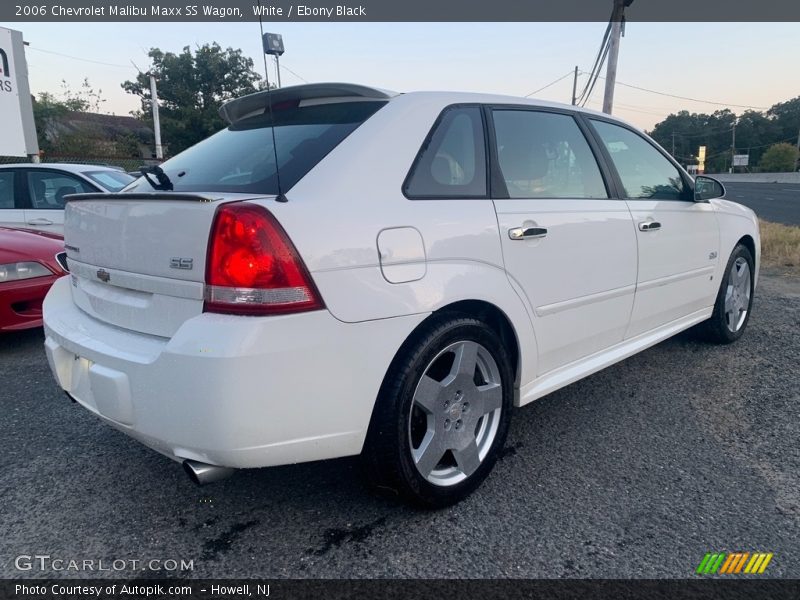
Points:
(18, 134)
(741, 160)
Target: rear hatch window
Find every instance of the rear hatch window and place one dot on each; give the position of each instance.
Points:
(241, 157)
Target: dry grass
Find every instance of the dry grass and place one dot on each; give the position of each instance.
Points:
(780, 245)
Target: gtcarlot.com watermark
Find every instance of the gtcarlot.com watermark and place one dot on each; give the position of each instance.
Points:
(48, 563)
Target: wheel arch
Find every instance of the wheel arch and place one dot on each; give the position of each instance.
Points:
(484, 311)
(748, 242)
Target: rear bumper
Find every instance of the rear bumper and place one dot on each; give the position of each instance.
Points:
(228, 390)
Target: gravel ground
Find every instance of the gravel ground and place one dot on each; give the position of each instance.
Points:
(637, 471)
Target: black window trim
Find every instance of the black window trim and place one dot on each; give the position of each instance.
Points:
(600, 158)
(426, 143)
(688, 182)
(14, 189)
(25, 191)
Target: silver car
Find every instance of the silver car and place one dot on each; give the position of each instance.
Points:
(32, 195)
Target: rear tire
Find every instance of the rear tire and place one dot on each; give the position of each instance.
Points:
(442, 414)
(734, 300)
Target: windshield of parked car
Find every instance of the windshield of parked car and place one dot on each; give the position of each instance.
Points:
(113, 181)
(241, 158)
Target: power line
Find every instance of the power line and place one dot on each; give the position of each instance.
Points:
(89, 60)
(598, 64)
(567, 74)
(636, 87)
(728, 150)
(285, 68)
(108, 64)
(597, 73)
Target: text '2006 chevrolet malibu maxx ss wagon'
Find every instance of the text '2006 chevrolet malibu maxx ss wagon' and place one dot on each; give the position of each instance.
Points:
(409, 269)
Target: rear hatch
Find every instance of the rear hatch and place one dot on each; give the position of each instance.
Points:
(139, 263)
(138, 258)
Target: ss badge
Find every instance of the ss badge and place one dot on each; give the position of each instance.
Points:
(180, 263)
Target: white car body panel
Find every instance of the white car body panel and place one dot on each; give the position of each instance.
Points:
(235, 391)
(582, 302)
(225, 389)
(44, 219)
(677, 262)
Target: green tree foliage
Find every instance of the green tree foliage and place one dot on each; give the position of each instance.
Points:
(191, 88)
(755, 132)
(787, 118)
(779, 158)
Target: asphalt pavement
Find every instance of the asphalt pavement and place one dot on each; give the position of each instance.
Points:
(778, 202)
(636, 471)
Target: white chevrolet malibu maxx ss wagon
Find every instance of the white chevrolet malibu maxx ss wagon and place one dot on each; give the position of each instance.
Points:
(345, 270)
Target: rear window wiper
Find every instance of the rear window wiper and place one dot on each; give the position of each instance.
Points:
(164, 183)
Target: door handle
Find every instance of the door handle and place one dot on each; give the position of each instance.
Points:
(39, 221)
(527, 233)
(649, 226)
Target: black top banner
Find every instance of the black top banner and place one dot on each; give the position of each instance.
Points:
(393, 10)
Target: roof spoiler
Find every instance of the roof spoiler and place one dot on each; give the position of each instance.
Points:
(239, 108)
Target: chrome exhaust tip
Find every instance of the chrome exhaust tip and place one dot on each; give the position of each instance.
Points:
(202, 473)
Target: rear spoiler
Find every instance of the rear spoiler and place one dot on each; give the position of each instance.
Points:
(239, 108)
(189, 197)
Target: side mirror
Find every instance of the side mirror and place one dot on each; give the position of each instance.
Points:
(707, 188)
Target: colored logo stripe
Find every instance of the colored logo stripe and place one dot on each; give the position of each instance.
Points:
(734, 563)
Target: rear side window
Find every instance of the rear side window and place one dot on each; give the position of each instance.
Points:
(6, 189)
(452, 162)
(545, 155)
(241, 158)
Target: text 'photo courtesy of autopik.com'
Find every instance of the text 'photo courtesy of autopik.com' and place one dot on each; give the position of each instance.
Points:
(357, 299)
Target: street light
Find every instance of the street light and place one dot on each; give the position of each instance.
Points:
(273, 44)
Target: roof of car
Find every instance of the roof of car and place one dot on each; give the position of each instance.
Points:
(68, 167)
(244, 106)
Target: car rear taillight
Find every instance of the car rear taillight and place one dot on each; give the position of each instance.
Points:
(252, 266)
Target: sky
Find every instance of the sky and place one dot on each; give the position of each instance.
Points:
(746, 64)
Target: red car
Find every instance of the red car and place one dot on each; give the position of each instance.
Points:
(28, 267)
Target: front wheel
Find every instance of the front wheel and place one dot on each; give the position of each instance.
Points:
(734, 299)
(442, 414)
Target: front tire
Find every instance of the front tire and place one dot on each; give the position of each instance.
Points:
(442, 414)
(734, 300)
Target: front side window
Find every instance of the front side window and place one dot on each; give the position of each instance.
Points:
(644, 171)
(48, 188)
(452, 163)
(545, 155)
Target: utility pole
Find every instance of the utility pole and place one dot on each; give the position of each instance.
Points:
(156, 121)
(798, 150)
(617, 17)
(733, 145)
(673, 144)
(575, 91)
(278, 68)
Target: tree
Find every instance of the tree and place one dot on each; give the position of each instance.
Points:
(787, 118)
(191, 88)
(692, 130)
(779, 158)
(86, 99)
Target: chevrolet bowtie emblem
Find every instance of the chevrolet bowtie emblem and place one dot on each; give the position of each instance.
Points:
(103, 275)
